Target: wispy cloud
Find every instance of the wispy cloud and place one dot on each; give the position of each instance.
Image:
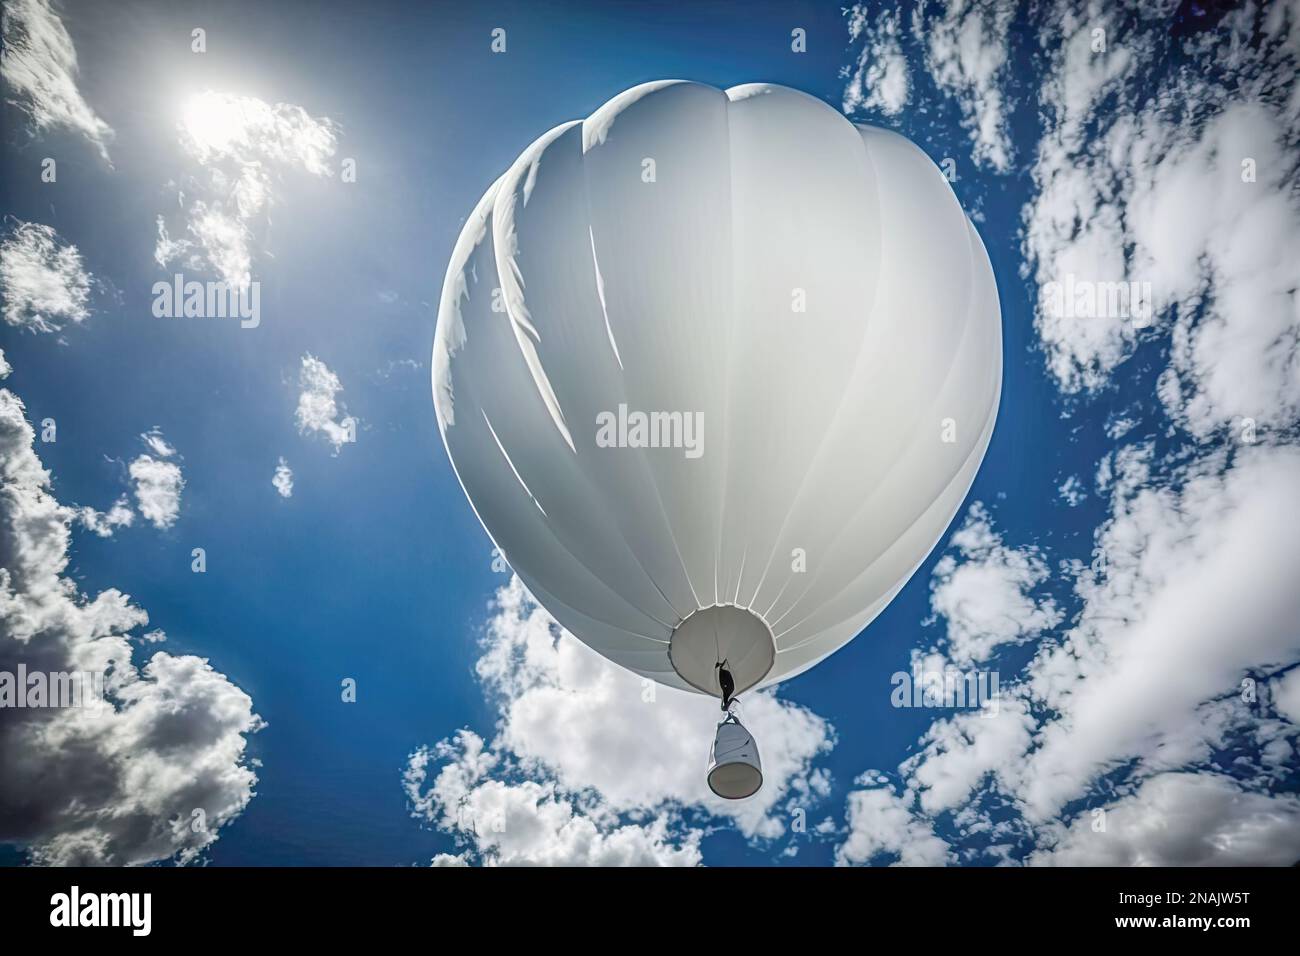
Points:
(38, 63)
(881, 79)
(319, 411)
(237, 148)
(283, 479)
(967, 53)
(157, 444)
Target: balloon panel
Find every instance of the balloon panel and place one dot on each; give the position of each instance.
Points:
(717, 349)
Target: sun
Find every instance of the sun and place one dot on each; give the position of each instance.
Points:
(214, 121)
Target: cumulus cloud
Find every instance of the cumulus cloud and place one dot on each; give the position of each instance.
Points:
(1191, 597)
(319, 411)
(880, 80)
(1167, 627)
(965, 48)
(1155, 724)
(1116, 170)
(38, 63)
(237, 147)
(967, 54)
(158, 482)
(283, 479)
(1286, 695)
(960, 754)
(1189, 606)
(882, 825)
(531, 823)
(1180, 819)
(592, 763)
(121, 784)
(983, 590)
(43, 282)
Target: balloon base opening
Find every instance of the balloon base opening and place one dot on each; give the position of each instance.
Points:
(726, 634)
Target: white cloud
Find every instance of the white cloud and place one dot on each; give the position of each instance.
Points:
(1221, 270)
(1231, 252)
(1191, 595)
(237, 147)
(580, 742)
(1286, 695)
(120, 786)
(104, 523)
(168, 249)
(283, 479)
(1192, 599)
(881, 79)
(318, 410)
(965, 48)
(1071, 491)
(531, 823)
(967, 54)
(42, 280)
(1198, 593)
(39, 64)
(1180, 819)
(962, 753)
(984, 592)
(1072, 227)
(158, 483)
(157, 444)
(881, 823)
(217, 127)
(1119, 426)
(393, 365)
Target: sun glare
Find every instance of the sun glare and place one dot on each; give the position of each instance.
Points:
(214, 120)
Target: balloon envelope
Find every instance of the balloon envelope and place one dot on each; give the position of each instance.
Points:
(716, 370)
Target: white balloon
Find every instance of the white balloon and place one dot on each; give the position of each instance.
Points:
(716, 370)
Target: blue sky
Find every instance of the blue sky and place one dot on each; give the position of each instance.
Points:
(376, 569)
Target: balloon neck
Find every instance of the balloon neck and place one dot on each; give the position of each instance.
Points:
(722, 640)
